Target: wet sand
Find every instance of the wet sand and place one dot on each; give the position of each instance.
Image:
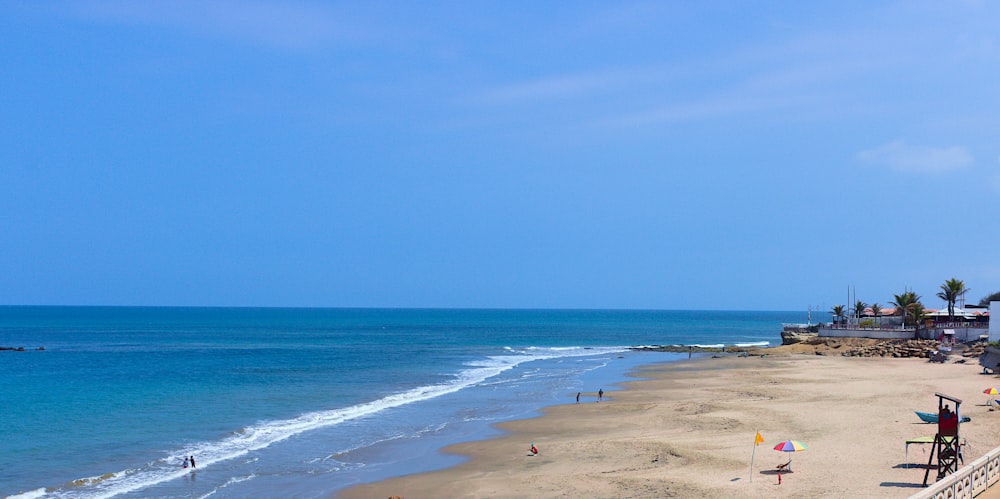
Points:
(688, 431)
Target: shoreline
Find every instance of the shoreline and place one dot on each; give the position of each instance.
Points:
(686, 429)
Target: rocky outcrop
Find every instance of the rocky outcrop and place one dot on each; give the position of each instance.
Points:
(682, 349)
(896, 349)
(975, 349)
(791, 337)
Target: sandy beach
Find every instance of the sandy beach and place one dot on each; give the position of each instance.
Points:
(687, 430)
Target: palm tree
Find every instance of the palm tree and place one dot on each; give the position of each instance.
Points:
(917, 310)
(905, 303)
(951, 291)
(838, 311)
(876, 311)
(985, 302)
(859, 309)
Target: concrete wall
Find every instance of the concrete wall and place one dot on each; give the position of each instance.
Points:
(882, 334)
(962, 334)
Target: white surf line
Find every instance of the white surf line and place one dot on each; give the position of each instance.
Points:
(261, 436)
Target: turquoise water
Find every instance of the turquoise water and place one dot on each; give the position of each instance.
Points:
(298, 401)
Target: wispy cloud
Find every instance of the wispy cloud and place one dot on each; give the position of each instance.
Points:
(717, 106)
(804, 78)
(903, 157)
(561, 87)
(650, 95)
(287, 25)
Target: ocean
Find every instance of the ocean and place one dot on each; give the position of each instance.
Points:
(279, 402)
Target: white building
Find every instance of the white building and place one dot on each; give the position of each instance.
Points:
(994, 324)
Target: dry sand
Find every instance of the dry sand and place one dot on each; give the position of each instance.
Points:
(688, 431)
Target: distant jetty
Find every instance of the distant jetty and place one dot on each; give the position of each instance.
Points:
(20, 349)
(697, 348)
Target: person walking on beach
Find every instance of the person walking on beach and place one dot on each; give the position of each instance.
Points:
(577, 397)
(192, 462)
(600, 394)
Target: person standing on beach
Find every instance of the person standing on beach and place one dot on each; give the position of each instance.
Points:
(577, 397)
(600, 394)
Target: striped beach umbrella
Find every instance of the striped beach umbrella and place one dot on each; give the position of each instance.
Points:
(790, 446)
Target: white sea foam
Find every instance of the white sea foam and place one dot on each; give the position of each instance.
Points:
(754, 344)
(31, 494)
(433, 428)
(262, 435)
(231, 481)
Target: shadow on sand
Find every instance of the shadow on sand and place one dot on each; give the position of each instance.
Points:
(775, 472)
(912, 464)
(901, 485)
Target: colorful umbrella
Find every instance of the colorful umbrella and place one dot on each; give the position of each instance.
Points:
(790, 446)
(989, 399)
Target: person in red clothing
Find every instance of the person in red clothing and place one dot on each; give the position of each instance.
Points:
(947, 422)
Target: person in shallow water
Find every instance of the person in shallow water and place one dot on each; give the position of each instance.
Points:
(600, 394)
(192, 462)
(186, 461)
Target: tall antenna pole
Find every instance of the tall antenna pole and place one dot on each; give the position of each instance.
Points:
(854, 301)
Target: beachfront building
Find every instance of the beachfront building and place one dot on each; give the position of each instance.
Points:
(886, 326)
(967, 324)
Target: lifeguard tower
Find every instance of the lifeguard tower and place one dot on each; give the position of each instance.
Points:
(946, 442)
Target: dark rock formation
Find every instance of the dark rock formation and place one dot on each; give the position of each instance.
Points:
(789, 337)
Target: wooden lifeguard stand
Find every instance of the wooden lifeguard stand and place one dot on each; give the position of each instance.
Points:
(946, 441)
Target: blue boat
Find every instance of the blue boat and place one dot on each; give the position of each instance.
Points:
(930, 417)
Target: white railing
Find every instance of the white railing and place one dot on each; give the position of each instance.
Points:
(959, 325)
(968, 482)
(884, 327)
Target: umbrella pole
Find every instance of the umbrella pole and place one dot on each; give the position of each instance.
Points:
(752, 454)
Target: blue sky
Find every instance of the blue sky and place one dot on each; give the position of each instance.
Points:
(666, 155)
